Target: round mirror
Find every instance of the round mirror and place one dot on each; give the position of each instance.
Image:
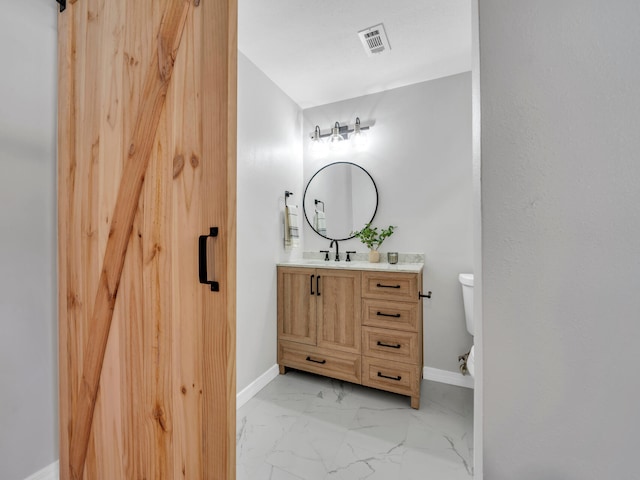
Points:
(339, 199)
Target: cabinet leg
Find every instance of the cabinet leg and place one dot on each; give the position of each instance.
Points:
(415, 403)
(283, 369)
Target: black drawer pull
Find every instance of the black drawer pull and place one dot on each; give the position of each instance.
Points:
(387, 345)
(318, 285)
(394, 315)
(398, 378)
(202, 260)
(312, 292)
(387, 286)
(321, 362)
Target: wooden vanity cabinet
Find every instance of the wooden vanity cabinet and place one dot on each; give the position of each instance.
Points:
(360, 326)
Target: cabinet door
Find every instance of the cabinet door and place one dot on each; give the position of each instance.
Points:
(339, 309)
(297, 305)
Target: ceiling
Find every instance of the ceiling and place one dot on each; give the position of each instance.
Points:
(311, 49)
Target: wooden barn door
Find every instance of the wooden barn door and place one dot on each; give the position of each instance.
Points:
(146, 170)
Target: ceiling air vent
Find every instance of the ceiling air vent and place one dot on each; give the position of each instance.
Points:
(374, 39)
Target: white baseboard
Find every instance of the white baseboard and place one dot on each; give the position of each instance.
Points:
(445, 376)
(254, 387)
(52, 472)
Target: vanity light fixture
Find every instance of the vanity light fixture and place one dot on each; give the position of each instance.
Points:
(336, 138)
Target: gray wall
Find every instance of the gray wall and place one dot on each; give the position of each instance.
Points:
(420, 158)
(561, 242)
(269, 162)
(28, 365)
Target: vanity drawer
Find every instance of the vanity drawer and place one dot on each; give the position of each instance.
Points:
(391, 376)
(390, 285)
(331, 363)
(387, 314)
(390, 345)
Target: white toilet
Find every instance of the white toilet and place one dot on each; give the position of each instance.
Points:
(466, 280)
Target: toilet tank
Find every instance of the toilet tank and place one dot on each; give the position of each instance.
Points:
(466, 280)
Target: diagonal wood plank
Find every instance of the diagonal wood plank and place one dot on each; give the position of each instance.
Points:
(142, 140)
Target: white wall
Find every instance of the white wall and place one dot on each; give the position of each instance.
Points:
(561, 238)
(28, 365)
(420, 158)
(269, 162)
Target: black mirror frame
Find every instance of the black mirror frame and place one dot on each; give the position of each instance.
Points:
(307, 188)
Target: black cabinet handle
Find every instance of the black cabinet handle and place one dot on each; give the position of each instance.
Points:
(202, 260)
(321, 362)
(398, 378)
(318, 285)
(387, 286)
(428, 295)
(394, 315)
(387, 345)
(312, 292)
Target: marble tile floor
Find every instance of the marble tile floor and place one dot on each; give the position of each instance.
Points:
(307, 427)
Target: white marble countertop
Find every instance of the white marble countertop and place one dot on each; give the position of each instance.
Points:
(354, 265)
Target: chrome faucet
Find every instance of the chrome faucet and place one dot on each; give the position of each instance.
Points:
(337, 252)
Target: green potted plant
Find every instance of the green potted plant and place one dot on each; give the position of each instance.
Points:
(373, 239)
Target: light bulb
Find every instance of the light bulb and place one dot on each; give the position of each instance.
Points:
(359, 138)
(335, 140)
(318, 146)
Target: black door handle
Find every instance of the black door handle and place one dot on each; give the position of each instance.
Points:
(318, 285)
(387, 345)
(202, 260)
(387, 286)
(390, 378)
(321, 362)
(395, 315)
(312, 292)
